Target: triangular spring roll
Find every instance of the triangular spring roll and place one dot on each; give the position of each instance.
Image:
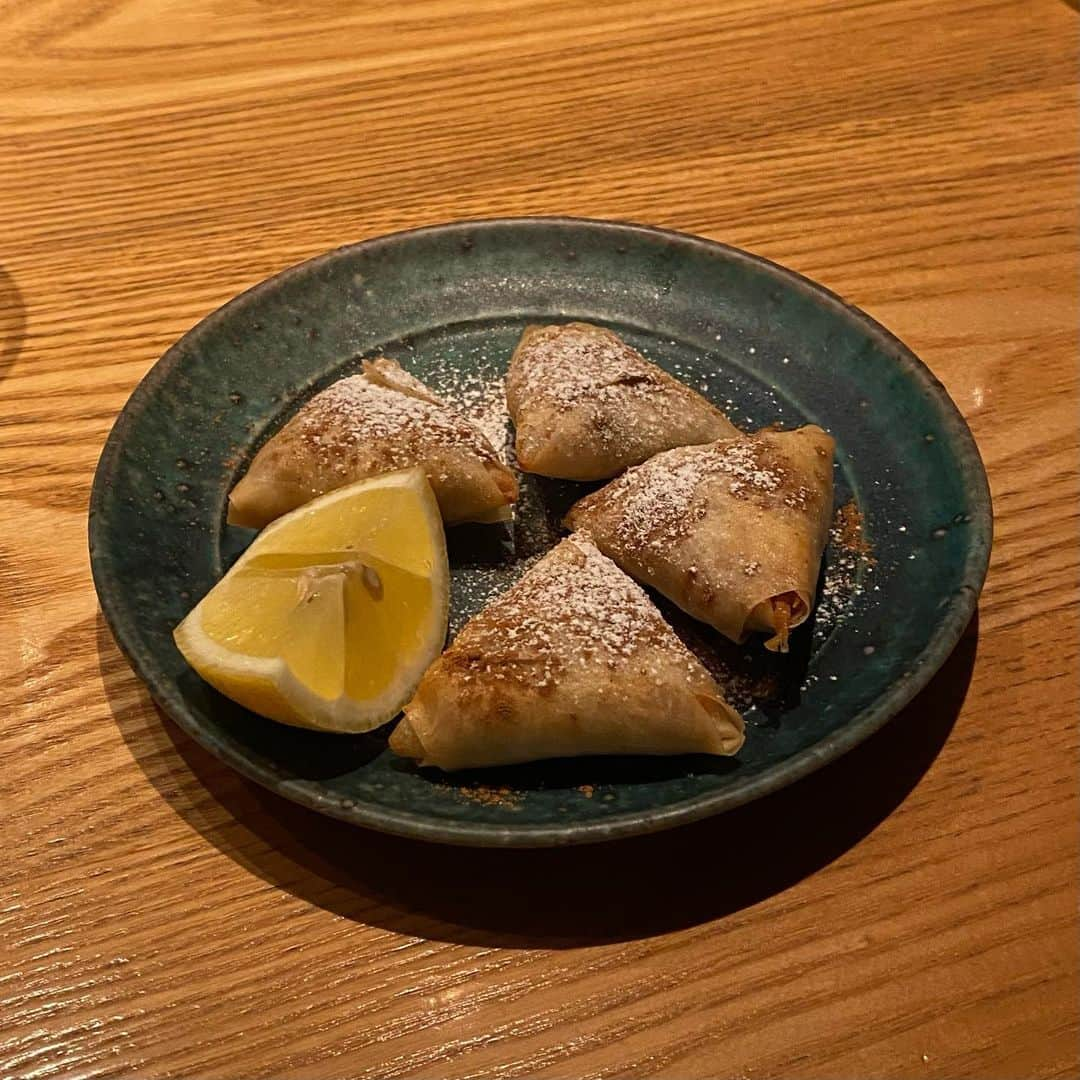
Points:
(376, 422)
(586, 405)
(732, 532)
(574, 659)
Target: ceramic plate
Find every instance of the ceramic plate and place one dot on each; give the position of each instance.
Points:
(449, 302)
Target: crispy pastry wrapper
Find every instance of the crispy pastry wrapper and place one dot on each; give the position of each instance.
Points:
(379, 421)
(733, 532)
(586, 405)
(573, 660)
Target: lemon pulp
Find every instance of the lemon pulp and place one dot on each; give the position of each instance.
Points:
(332, 615)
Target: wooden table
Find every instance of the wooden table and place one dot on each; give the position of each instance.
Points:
(909, 912)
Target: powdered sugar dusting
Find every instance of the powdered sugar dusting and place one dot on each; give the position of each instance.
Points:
(620, 409)
(575, 606)
(484, 403)
(660, 497)
(563, 365)
(850, 563)
(358, 410)
(657, 501)
(744, 461)
(478, 389)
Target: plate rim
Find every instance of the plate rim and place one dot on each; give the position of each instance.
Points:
(944, 638)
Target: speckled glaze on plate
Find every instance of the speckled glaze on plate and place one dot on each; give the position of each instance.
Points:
(449, 301)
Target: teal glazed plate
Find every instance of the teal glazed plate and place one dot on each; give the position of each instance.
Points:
(449, 302)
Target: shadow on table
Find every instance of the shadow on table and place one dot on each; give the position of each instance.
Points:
(551, 898)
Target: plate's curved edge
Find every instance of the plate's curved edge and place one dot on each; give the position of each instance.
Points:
(937, 650)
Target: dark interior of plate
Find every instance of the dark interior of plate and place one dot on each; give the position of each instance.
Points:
(449, 302)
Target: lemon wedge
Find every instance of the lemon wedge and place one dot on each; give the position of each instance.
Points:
(332, 615)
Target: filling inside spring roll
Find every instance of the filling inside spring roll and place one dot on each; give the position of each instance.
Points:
(780, 615)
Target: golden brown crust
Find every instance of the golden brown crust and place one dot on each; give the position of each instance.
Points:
(722, 529)
(405, 742)
(574, 659)
(376, 422)
(586, 405)
(393, 376)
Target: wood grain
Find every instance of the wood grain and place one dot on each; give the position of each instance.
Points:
(910, 912)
